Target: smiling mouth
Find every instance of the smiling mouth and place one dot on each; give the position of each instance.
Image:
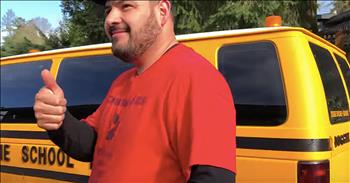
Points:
(115, 31)
(118, 33)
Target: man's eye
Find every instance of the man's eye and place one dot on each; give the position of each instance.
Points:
(107, 11)
(126, 6)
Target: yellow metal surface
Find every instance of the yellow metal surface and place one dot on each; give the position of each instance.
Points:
(12, 178)
(45, 157)
(265, 170)
(307, 114)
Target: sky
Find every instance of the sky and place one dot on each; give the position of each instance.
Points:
(49, 9)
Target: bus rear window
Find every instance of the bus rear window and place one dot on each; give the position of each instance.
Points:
(338, 107)
(345, 70)
(252, 70)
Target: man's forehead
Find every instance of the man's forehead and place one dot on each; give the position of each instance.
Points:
(116, 2)
(103, 2)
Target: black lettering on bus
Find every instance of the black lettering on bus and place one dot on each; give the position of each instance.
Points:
(25, 157)
(69, 164)
(4, 152)
(33, 158)
(341, 139)
(60, 157)
(42, 155)
(51, 156)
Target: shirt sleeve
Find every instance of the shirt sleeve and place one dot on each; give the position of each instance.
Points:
(76, 138)
(210, 174)
(205, 121)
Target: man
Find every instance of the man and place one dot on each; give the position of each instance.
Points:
(169, 119)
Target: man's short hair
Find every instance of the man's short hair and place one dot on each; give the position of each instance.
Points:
(173, 11)
(101, 2)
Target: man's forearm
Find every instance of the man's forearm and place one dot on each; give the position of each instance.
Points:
(211, 174)
(75, 137)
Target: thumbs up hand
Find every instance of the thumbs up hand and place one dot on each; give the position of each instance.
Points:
(50, 104)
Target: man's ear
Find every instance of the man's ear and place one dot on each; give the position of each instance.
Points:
(165, 10)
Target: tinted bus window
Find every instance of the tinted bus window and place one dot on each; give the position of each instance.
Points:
(345, 70)
(253, 73)
(19, 84)
(86, 81)
(338, 108)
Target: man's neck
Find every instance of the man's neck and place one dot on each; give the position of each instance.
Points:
(153, 54)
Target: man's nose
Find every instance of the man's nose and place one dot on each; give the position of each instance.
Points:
(113, 17)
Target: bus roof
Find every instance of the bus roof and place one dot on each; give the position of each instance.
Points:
(187, 37)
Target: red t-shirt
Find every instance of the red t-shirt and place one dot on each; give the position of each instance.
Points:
(153, 127)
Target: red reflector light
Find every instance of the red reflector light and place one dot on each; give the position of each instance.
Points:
(313, 171)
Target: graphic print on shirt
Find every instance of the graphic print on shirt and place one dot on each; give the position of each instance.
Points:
(114, 126)
(123, 102)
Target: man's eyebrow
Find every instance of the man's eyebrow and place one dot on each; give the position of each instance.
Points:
(113, 2)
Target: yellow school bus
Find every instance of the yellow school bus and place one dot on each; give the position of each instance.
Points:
(290, 87)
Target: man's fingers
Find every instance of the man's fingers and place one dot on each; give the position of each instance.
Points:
(49, 126)
(49, 118)
(46, 96)
(49, 99)
(49, 109)
(51, 83)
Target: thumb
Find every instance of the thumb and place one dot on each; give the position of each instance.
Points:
(51, 83)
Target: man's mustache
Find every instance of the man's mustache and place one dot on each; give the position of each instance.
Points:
(118, 28)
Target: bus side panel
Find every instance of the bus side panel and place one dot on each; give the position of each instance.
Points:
(31, 162)
(262, 170)
(340, 161)
(339, 166)
(11, 178)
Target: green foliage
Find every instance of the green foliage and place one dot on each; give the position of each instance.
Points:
(85, 18)
(341, 6)
(59, 38)
(25, 36)
(7, 20)
(13, 48)
(84, 22)
(200, 16)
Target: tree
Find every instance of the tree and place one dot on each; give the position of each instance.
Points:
(7, 20)
(84, 19)
(26, 36)
(19, 22)
(42, 24)
(341, 6)
(198, 16)
(85, 22)
(59, 38)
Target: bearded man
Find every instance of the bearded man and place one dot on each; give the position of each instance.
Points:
(169, 119)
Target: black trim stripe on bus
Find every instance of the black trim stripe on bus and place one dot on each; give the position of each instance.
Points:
(24, 134)
(278, 144)
(300, 145)
(44, 174)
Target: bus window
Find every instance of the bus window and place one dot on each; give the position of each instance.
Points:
(345, 70)
(338, 107)
(252, 70)
(86, 80)
(19, 84)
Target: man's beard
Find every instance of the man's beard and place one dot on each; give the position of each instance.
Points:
(138, 42)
